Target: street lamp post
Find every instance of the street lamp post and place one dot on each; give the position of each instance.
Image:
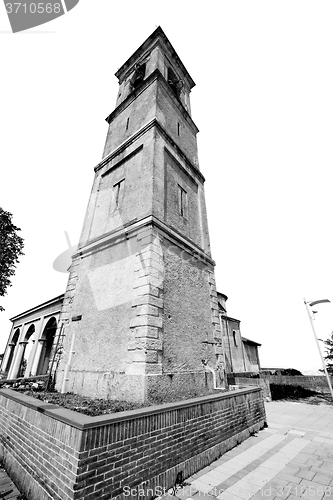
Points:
(307, 304)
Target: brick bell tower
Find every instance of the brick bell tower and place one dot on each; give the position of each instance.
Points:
(140, 307)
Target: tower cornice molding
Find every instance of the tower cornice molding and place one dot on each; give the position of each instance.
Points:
(135, 226)
(152, 123)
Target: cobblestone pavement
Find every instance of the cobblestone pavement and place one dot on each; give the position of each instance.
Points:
(291, 459)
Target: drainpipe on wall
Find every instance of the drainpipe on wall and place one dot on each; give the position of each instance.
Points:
(209, 369)
(71, 352)
(222, 333)
(243, 350)
(227, 328)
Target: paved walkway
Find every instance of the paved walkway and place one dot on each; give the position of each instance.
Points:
(291, 459)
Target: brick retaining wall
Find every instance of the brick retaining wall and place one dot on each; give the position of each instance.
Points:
(54, 453)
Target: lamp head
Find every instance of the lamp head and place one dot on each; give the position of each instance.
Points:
(318, 302)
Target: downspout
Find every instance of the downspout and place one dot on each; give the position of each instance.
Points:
(227, 328)
(243, 350)
(71, 352)
(68, 365)
(222, 333)
(209, 369)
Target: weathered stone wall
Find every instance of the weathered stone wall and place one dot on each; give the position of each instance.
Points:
(58, 454)
(233, 345)
(186, 327)
(169, 113)
(130, 117)
(133, 164)
(128, 296)
(251, 357)
(104, 327)
(189, 225)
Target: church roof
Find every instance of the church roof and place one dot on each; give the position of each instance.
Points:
(248, 341)
(59, 298)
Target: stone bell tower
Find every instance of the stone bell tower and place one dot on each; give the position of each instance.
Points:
(141, 305)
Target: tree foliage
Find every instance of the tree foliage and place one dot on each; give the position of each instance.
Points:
(11, 246)
(329, 354)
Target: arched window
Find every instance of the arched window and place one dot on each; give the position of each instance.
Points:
(46, 339)
(138, 76)
(12, 345)
(174, 83)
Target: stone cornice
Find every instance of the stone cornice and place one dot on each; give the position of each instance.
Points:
(179, 239)
(229, 318)
(126, 158)
(106, 240)
(124, 145)
(179, 151)
(44, 305)
(155, 75)
(153, 123)
(134, 226)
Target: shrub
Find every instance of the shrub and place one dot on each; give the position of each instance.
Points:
(283, 391)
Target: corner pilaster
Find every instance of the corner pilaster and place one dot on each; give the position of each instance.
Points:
(146, 325)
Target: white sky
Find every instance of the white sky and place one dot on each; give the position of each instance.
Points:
(264, 106)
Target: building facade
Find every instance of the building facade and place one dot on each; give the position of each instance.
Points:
(140, 317)
(31, 341)
(240, 354)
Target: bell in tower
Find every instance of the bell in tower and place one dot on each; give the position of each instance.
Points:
(142, 280)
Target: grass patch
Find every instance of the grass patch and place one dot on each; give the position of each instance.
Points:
(83, 404)
(94, 406)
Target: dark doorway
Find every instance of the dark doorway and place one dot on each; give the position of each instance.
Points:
(47, 338)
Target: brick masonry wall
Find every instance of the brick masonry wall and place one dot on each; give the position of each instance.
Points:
(40, 452)
(55, 453)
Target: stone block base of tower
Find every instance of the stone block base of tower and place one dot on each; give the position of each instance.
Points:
(149, 327)
(149, 389)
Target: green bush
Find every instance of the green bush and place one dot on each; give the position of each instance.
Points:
(283, 391)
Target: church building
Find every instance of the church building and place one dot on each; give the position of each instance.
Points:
(141, 318)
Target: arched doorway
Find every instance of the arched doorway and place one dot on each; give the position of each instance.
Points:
(27, 347)
(46, 339)
(12, 344)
